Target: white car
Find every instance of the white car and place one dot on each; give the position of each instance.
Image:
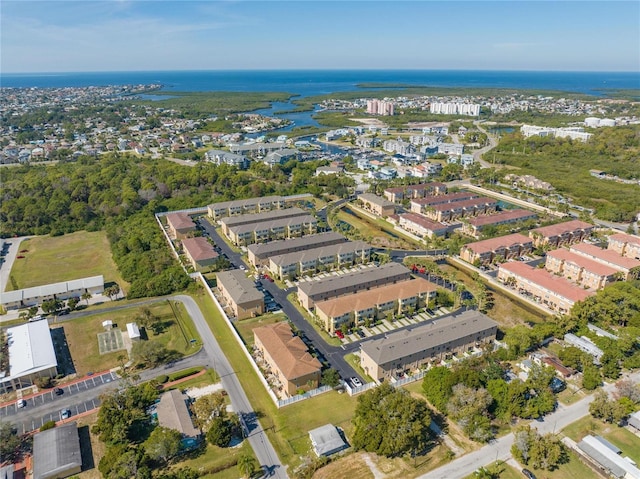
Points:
(21, 403)
(356, 382)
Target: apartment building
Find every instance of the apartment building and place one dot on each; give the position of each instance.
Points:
(287, 358)
(429, 343)
(420, 205)
(259, 254)
(474, 226)
(180, 225)
(222, 157)
(397, 194)
(502, 247)
(377, 205)
(580, 269)
(557, 293)
(561, 234)
(628, 267)
(625, 245)
(240, 294)
(251, 218)
(461, 209)
(326, 258)
(199, 252)
(335, 286)
(421, 226)
(373, 304)
(248, 206)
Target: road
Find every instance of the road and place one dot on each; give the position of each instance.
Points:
(477, 155)
(500, 449)
(13, 246)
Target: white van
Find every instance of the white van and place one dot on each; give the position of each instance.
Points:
(37, 317)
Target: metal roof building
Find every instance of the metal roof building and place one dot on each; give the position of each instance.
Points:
(326, 440)
(599, 450)
(56, 452)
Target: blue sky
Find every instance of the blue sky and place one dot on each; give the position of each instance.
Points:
(122, 35)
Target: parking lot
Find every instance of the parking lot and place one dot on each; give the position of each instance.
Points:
(34, 422)
(48, 397)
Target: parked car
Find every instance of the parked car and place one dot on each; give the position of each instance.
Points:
(21, 403)
(528, 474)
(356, 382)
(65, 414)
(339, 334)
(360, 333)
(58, 391)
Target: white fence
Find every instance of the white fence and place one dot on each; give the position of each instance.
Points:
(166, 236)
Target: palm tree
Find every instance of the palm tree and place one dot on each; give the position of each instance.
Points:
(86, 296)
(247, 465)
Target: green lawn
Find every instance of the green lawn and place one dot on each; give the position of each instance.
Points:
(373, 232)
(574, 469)
(214, 457)
(628, 443)
(82, 333)
(334, 341)
(246, 326)
(61, 258)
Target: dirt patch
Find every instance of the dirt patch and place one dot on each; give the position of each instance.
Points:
(352, 466)
(370, 122)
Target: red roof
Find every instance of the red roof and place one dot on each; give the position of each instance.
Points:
(180, 221)
(422, 221)
(501, 216)
(625, 238)
(583, 262)
(499, 242)
(449, 197)
(562, 228)
(199, 248)
(541, 277)
(483, 200)
(606, 255)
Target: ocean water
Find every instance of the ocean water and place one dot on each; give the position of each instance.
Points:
(317, 82)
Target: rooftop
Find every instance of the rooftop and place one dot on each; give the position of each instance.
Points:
(375, 199)
(625, 238)
(248, 203)
(271, 223)
(315, 253)
(326, 440)
(55, 451)
(30, 349)
(606, 255)
(199, 248)
(232, 221)
(180, 221)
(508, 215)
(264, 250)
(240, 288)
(423, 221)
(448, 198)
(562, 228)
(288, 352)
(173, 413)
(425, 336)
(582, 261)
(482, 200)
(493, 244)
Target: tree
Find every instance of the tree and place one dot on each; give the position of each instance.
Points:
(524, 437)
(469, 408)
(152, 353)
(86, 296)
(163, 444)
(72, 303)
(330, 377)
(591, 378)
(547, 452)
(112, 291)
(607, 409)
(206, 407)
(51, 305)
(390, 422)
(436, 385)
(9, 441)
(246, 465)
(220, 431)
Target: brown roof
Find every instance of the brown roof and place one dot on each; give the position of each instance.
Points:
(556, 284)
(499, 242)
(583, 262)
(483, 200)
(288, 351)
(363, 299)
(501, 216)
(561, 228)
(180, 221)
(625, 238)
(448, 198)
(173, 413)
(606, 255)
(199, 248)
(423, 221)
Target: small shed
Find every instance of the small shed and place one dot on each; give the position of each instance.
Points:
(107, 325)
(326, 440)
(133, 331)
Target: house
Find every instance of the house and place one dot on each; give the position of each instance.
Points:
(397, 194)
(461, 209)
(311, 292)
(64, 290)
(626, 245)
(326, 440)
(56, 452)
(288, 358)
(222, 157)
(634, 420)
(259, 254)
(500, 248)
(173, 413)
(474, 226)
(31, 356)
(373, 304)
(248, 218)
(608, 458)
(376, 204)
(199, 252)
(280, 157)
(583, 271)
(240, 294)
(180, 225)
(329, 170)
(628, 267)
(428, 343)
(273, 229)
(421, 205)
(561, 234)
(421, 226)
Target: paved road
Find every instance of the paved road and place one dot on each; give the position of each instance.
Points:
(258, 439)
(493, 142)
(500, 449)
(13, 246)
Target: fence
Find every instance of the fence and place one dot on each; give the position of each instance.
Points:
(190, 211)
(166, 236)
(301, 397)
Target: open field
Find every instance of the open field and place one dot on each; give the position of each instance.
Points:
(71, 256)
(628, 443)
(213, 457)
(371, 232)
(82, 334)
(574, 469)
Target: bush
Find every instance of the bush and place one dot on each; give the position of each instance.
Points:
(44, 382)
(163, 378)
(184, 374)
(48, 425)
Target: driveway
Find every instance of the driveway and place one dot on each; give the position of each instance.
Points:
(13, 245)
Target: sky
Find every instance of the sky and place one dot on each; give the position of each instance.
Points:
(146, 35)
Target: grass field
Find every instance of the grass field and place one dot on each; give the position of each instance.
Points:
(246, 326)
(373, 233)
(628, 443)
(50, 259)
(213, 457)
(82, 334)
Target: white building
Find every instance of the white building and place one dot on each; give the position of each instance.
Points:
(455, 108)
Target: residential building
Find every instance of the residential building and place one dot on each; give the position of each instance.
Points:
(30, 356)
(380, 107)
(420, 205)
(376, 204)
(573, 133)
(608, 458)
(199, 252)
(329, 170)
(397, 194)
(180, 225)
(222, 157)
(324, 289)
(461, 209)
(421, 226)
(429, 343)
(378, 303)
(256, 149)
(173, 413)
(455, 108)
(274, 229)
(253, 218)
(288, 358)
(259, 254)
(240, 294)
(311, 261)
(625, 245)
(241, 207)
(451, 148)
(561, 234)
(56, 452)
(500, 248)
(280, 157)
(579, 269)
(326, 440)
(555, 292)
(474, 226)
(628, 267)
(24, 298)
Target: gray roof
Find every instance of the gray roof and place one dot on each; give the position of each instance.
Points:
(260, 217)
(618, 466)
(225, 156)
(51, 289)
(56, 450)
(364, 276)
(248, 203)
(275, 248)
(634, 420)
(310, 254)
(302, 219)
(326, 440)
(240, 288)
(173, 413)
(426, 336)
(375, 199)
